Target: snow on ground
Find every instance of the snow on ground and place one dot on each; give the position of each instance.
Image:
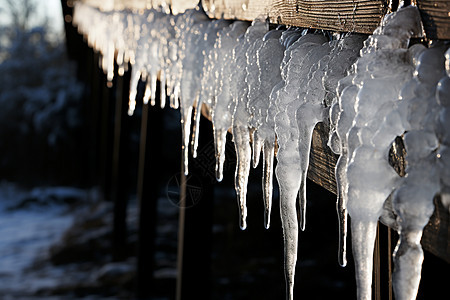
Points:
(30, 221)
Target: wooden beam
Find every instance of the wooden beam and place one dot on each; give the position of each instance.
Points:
(338, 15)
(436, 18)
(361, 16)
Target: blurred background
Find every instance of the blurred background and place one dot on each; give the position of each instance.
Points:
(59, 189)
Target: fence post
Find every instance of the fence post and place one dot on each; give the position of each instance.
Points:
(195, 226)
(148, 191)
(120, 166)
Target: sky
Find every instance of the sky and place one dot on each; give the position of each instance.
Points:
(47, 8)
(52, 9)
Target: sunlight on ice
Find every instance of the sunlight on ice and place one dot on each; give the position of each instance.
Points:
(271, 86)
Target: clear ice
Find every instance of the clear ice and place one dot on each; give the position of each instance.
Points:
(240, 118)
(372, 88)
(268, 58)
(220, 108)
(341, 58)
(413, 200)
(271, 88)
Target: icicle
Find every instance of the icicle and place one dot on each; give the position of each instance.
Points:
(413, 200)
(341, 58)
(253, 80)
(267, 129)
(311, 112)
(240, 129)
(185, 128)
(269, 75)
(241, 140)
(196, 127)
(147, 92)
(257, 144)
(221, 74)
(221, 116)
(288, 170)
(110, 62)
(162, 90)
(385, 56)
(268, 153)
(189, 53)
(135, 76)
(442, 125)
(207, 48)
(153, 79)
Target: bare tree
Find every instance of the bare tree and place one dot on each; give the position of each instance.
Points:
(20, 12)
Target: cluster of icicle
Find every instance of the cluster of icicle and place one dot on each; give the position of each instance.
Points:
(271, 87)
(392, 90)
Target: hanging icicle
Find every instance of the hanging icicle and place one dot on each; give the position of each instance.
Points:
(272, 87)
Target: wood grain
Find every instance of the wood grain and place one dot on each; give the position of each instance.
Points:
(361, 16)
(436, 235)
(344, 15)
(436, 18)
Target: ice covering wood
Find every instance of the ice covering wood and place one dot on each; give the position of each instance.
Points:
(276, 85)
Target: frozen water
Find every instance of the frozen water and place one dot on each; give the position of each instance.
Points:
(240, 119)
(269, 57)
(413, 200)
(367, 146)
(366, 136)
(272, 88)
(209, 40)
(342, 56)
(220, 112)
(190, 55)
(306, 51)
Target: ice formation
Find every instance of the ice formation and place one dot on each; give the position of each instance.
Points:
(340, 61)
(190, 54)
(272, 86)
(220, 109)
(372, 89)
(442, 125)
(268, 58)
(240, 128)
(413, 200)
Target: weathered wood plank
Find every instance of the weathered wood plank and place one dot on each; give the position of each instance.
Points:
(436, 235)
(436, 18)
(361, 16)
(344, 15)
(322, 160)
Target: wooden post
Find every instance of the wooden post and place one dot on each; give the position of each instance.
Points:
(195, 227)
(376, 286)
(120, 165)
(148, 193)
(106, 139)
(389, 256)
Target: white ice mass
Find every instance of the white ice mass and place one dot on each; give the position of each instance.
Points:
(269, 87)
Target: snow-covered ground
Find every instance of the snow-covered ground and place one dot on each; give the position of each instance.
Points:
(30, 221)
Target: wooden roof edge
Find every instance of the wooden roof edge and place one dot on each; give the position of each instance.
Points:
(361, 16)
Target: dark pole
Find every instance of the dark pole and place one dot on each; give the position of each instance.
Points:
(148, 192)
(107, 134)
(195, 225)
(120, 166)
